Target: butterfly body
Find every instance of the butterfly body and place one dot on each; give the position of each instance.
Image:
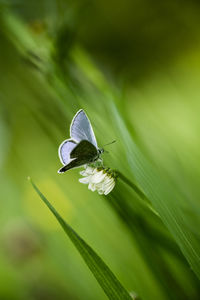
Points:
(82, 147)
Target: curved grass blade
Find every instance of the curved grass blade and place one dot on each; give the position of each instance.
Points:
(107, 280)
(162, 195)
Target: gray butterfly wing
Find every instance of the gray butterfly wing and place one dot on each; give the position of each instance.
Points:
(64, 151)
(81, 128)
(81, 154)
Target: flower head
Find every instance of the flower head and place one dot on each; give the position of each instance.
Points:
(99, 179)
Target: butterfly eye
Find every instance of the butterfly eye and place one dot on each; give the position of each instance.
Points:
(101, 151)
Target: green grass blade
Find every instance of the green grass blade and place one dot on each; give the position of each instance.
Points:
(163, 197)
(107, 280)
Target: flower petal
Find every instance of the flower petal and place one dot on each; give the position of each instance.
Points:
(88, 171)
(83, 173)
(85, 180)
(107, 183)
(92, 187)
(107, 180)
(109, 188)
(98, 177)
(101, 192)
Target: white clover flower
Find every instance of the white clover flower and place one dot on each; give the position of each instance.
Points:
(100, 179)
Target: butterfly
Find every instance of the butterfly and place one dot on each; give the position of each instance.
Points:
(82, 147)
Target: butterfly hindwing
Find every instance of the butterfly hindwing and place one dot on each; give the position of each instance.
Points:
(81, 154)
(75, 163)
(65, 149)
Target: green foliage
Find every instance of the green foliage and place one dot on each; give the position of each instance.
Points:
(135, 70)
(107, 280)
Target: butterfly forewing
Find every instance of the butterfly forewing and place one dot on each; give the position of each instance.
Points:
(82, 148)
(81, 128)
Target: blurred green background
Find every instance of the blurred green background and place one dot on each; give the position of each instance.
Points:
(134, 67)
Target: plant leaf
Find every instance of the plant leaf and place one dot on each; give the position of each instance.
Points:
(107, 280)
(164, 198)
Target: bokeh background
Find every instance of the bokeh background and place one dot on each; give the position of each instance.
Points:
(134, 67)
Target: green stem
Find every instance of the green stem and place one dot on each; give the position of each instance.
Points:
(137, 190)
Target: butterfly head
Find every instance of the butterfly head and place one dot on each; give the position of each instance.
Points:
(100, 151)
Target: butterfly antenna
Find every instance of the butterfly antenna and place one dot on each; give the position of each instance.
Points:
(109, 143)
